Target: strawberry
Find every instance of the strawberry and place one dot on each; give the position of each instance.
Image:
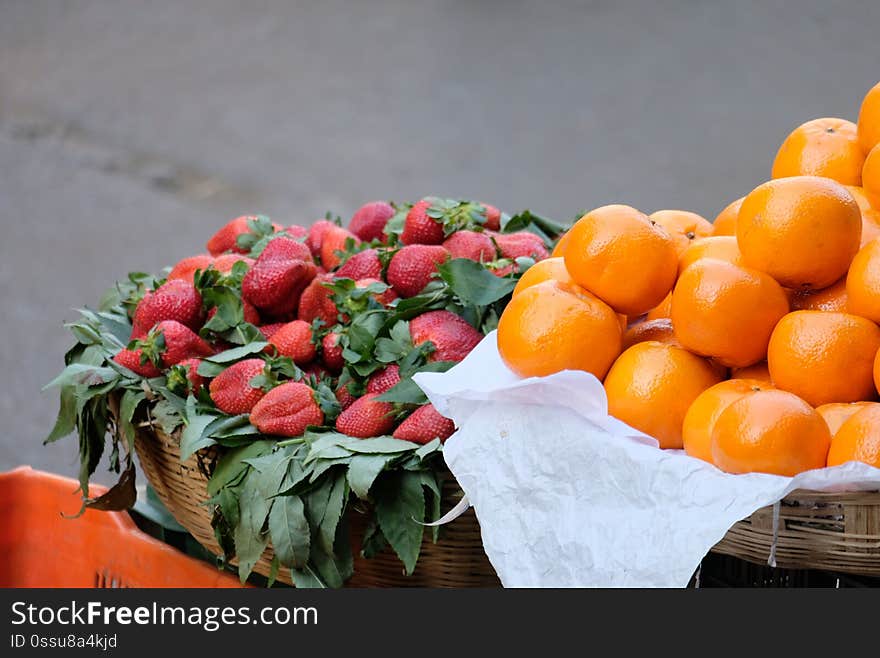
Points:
(316, 303)
(285, 248)
(470, 244)
(493, 217)
(268, 330)
(294, 340)
(366, 417)
(250, 312)
(225, 239)
(174, 300)
(135, 361)
(368, 221)
(191, 381)
(334, 240)
(224, 262)
(186, 268)
(362, 265)
(276, 281)
(345, 398)
(331, 352)
(412, 268)
(316, 235)
(521, 244)
(287, 410)
(231, 390)
(424, 425)
(383, 380)
(419, 227)
(503, 267)
(452, 336)
(170, 342)
(297, 231)
(385, 298)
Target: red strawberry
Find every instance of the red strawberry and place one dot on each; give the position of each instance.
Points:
(362, 265)
(186, 268)
(285, 248)
(316, 302)
(137, 363)
(334, 240)
(170, 342)
(196, 381)
(368, 222)
(174, 300)
(503, 268)
(316, 370)
(424, 425)
(224, 262)
(250, 312)
(366, 417)
(470, 244)
(345, 398)
(383, 380)
(332, 352)
(276, 281)
(268, 330)
(294, 340)
(316, 235)
(493, 217)
(520, 244)
(384, 298)
(231, 390)
(412, 268)
(224, 239)
(419, 228)
(452, 336)
(287, 410)
(297, 231)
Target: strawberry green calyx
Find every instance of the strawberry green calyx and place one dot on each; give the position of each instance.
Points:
(259, 227)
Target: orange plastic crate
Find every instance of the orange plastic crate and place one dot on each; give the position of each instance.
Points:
(41, 548)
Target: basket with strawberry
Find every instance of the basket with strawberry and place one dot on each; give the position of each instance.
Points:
(266, 385)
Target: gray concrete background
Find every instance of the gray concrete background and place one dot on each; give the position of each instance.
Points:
(129, 131)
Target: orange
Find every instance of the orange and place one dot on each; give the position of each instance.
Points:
(659, 330)
(858, 439)
(662, 310)
(869, 119)
(824, 357)
(651, 386)
(726, 311)
(832, 298)
(859, 195)
(822, 147)
(863, 282)
(877, 371)
(837, 413)
(684, 226)
(722, 247)
(725, 222)
(758, 371)
(871, 177)
(803, 231)
(554, 326)
(622, 257)
(559, 249)
(769, 432)
(704, 411)
(543, 270)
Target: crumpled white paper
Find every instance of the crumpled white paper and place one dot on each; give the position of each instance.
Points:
(568, 496)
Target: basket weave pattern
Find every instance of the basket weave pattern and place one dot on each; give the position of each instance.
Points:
(830, 531)
(457, 560)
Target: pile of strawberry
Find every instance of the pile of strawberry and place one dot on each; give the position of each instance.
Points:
(301, 290)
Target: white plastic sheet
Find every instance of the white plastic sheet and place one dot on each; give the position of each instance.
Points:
(568, 496)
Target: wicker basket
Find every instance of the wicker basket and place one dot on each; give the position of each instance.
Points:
(457, 560)
(831, 531)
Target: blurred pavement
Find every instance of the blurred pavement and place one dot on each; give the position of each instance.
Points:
(130, 131)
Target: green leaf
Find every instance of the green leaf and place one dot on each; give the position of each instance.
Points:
(167, 415)
(363, 471)
(250, 540)
(65, 423)
(374, 541)
(400, 508)
(308, 578)
(333, 512)
(232, 464)
(237, 353)
(83, 374)
(289, 531)
(473, 283)
(194, 436)
(131, 400)
(380, 444)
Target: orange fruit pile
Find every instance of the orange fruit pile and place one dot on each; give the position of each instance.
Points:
(751, 342)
